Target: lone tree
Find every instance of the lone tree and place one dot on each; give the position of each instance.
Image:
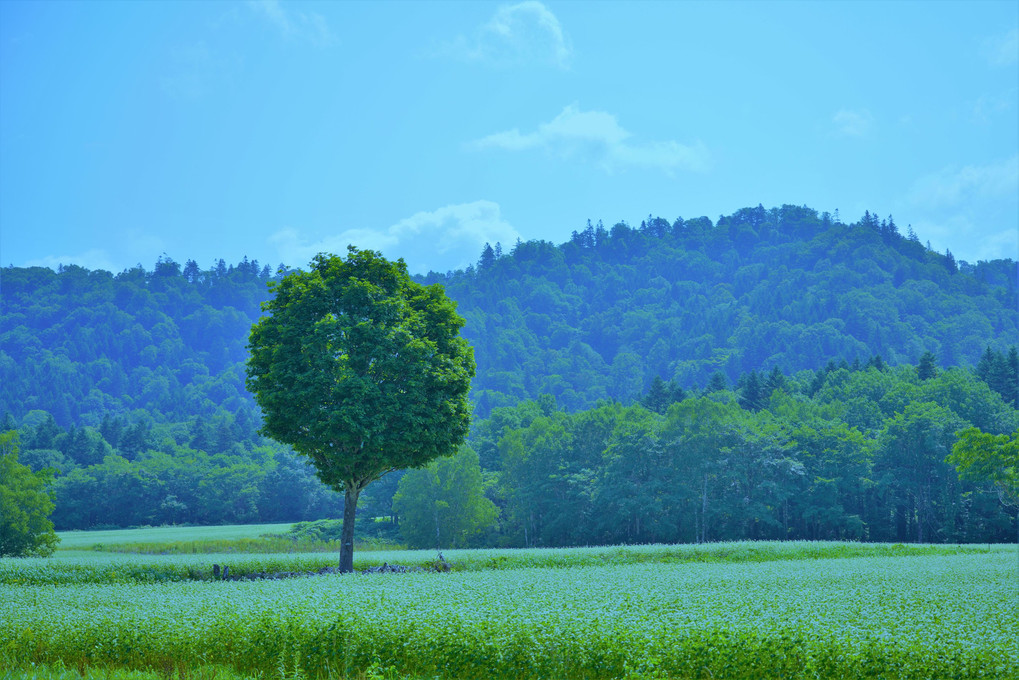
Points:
(362, 370)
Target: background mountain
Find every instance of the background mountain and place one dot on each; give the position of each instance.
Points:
(601, 316)
(132, 385)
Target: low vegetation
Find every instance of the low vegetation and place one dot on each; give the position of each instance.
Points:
(304, 537)
(723, 611)
(88, 540)
(123, 560)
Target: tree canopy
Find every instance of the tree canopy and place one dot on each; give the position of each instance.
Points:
(131, 386)
(25, 505)
(444, 504)
(362, 370)
(984, 457)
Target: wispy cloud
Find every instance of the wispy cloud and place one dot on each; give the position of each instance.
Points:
(90, 259)
(1002, 50)
(450, 237)
(973, 207)
(308, 27)
(966, 237)
(991, 246)
(850, 123)
(527, 32)
(988, 107)
(596, 136)
(953, 186)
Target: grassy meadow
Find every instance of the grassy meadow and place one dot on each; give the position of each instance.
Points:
(727, 610)
(89, 540)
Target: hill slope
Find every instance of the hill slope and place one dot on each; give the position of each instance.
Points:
(598, 317)
(604, 314)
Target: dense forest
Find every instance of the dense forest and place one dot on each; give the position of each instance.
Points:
(851, 452)
(601, 316)
(767, 375)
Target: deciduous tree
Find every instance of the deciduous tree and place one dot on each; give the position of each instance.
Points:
(25, 505)
(444, 504)
(362, 370)
(983, 457)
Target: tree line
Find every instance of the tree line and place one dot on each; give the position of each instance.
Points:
(846, 452)
(131, 386)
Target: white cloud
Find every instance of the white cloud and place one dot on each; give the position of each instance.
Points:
(853, 123)
(450, 237)
(527, 32)
(310, 27)
(992, 246)
(90, 259)
(952, 186)
(966, 238)
(596, 136)
(1002, 50)
(971, 209)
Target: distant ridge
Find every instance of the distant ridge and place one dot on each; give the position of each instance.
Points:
(598, 317)
(602, 315)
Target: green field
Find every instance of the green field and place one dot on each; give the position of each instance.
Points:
(740, 610)
(85, 540)
(240, 538)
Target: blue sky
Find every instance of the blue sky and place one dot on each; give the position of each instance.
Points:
(276, 130)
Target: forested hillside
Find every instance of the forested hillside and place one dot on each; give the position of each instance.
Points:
(602, 315)
(132, 385)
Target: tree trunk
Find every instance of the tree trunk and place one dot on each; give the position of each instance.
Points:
(347, 539)
(704, 511)
(922, 511)
(438, 541)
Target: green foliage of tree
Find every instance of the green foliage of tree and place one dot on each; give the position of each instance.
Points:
(175, 477)
(928, 366)
(82, 344)
(988, 458)
(837, 460)
(716, 383)
(536, 470)
(25, 505)
(860, 459)
(636, 495)
(696, 430)
(760, 289)
(131, 386)
(362, 370)
(913, 446)
(590, 319)
(983, 457)
(444, 505)
(1001, 373)
(661, 395)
